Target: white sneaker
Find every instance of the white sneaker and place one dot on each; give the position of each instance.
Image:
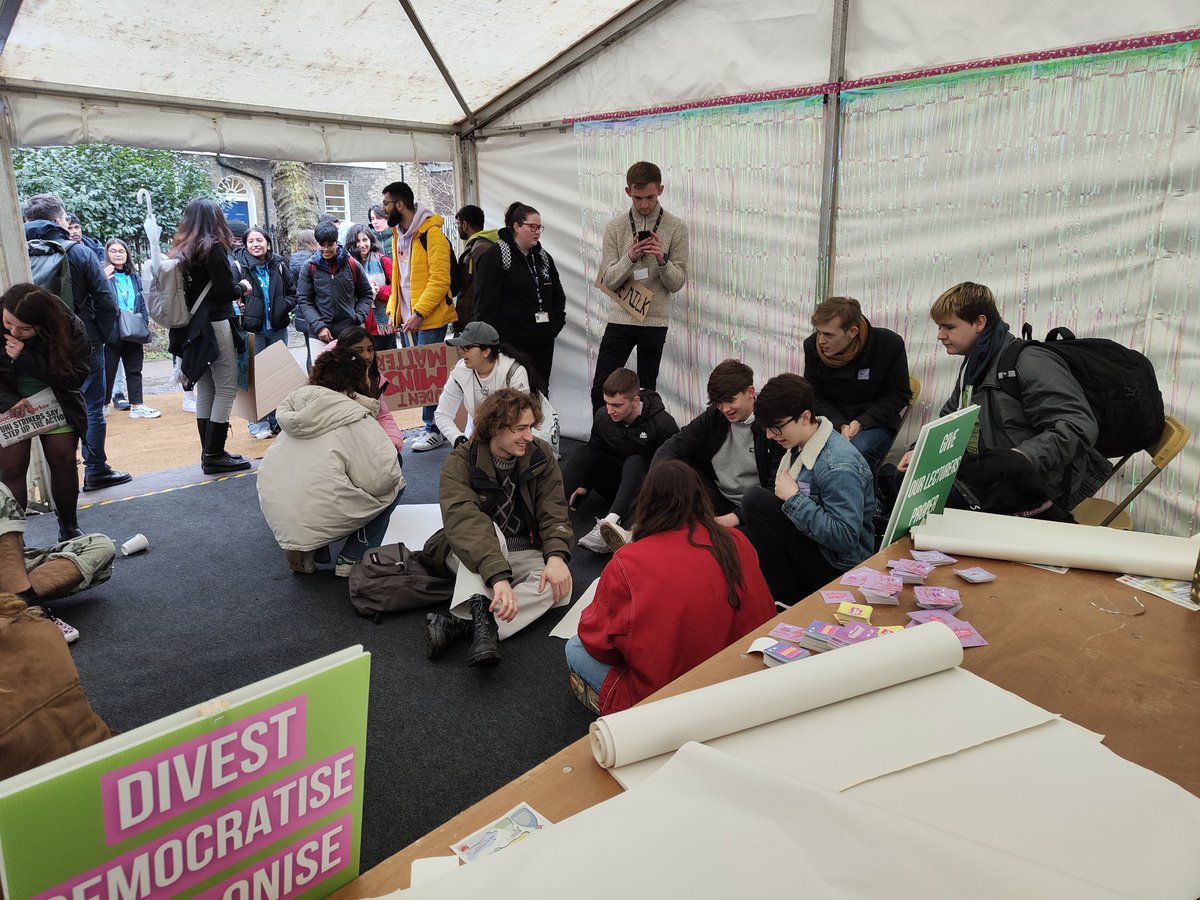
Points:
(614, 535)
(594, 539)
(260, 431)
(70, 632)
(189, 401)
(428, 441)
(144, 412)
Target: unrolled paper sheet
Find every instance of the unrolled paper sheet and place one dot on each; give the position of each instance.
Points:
(711, 825)
(568, 625)
(959, 532)
(739, 704)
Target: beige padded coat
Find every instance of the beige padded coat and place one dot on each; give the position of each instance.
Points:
(331, 471)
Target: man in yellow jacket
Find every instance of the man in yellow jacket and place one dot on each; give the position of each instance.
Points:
(420, 307)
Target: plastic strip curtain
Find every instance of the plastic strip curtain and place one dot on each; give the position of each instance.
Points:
(746, 179)
(1070, 188)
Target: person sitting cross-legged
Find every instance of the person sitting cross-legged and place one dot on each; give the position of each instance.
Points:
(685, 588)
(626, 433)
(817, 523)
(505, 534)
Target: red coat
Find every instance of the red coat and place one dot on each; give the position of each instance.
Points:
(660, 610)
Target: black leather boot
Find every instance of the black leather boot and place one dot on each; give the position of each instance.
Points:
(215, 460)
(68, 527)
(485, 648)
(202, 427)
(442, 631)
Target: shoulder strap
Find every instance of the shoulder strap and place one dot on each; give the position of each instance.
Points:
(511, 369)
(200, 299)
(1006, 368)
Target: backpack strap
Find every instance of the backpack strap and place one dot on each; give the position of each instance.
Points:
(509, 375)
(1059, 334)
(1006, 368)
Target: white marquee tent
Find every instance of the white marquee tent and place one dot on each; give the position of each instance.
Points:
(878, 149)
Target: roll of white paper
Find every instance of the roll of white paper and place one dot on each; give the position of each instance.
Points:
(960, 532)
(749, 701)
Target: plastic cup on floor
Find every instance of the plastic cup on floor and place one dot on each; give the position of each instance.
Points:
(135, 544)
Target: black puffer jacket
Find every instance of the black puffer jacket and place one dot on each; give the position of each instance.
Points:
(283, 292)
(641, 437)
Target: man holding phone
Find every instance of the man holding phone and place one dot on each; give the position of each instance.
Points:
(648, 246)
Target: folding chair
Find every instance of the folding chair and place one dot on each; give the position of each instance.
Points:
(914, 385)
(1095, 511)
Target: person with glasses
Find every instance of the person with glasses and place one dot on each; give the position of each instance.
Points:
(505, 534)
(518, 291)
(816, 523)
(649, 246)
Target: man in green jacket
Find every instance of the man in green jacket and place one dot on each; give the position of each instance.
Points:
(477, 242)
(506, 532)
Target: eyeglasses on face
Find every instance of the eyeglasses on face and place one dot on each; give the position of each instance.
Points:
(536, 229)
(777, 430)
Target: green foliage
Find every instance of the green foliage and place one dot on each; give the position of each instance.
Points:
(99, 184)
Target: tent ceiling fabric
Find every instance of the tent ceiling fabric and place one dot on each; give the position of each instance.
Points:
(306, 61)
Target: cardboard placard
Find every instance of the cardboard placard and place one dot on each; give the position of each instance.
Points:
(416, 375)
(274, 374)
(631, 296)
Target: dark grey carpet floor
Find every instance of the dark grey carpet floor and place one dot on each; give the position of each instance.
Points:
(212, 607)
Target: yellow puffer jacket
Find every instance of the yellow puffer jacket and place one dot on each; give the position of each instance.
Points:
(428, 279)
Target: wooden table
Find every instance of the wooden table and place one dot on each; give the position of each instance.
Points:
(1134, 679)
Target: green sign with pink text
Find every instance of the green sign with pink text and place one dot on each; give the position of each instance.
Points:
(257, 794)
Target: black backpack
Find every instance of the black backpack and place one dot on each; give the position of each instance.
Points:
(51, 268)
(456, 269)
(393, 579)
(1119, 384)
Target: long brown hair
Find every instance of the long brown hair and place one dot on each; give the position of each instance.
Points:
(201, 228)
(672, 496)
(39, 308)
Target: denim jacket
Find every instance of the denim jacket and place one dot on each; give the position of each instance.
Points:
(836, 501)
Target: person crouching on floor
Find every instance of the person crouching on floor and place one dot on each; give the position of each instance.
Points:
(333, 472)
(505, 534)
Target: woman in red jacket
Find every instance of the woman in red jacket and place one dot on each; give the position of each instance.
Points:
(685, 588)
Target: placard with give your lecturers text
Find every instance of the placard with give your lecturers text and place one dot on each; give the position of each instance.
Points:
(256, 795)
(931, 471)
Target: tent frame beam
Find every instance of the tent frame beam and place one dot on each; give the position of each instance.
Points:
(827, 222)
(107, 97)
(415, 21)
(576, 55)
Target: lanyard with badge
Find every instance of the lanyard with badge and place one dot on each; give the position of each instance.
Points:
(643, 273)
(541, 317)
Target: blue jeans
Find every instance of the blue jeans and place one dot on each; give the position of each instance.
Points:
(263, 340)
(95, 461)
(430, 336)
(371, 534)
(582, 664)
(874, 444)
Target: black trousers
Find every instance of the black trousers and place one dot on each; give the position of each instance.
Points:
(791, 562)
(132, 354)
(618, 342)
(616, 480)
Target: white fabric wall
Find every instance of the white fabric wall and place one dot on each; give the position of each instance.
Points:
(539, 169)
(697, 49)
(1052, 185)
(884, 36)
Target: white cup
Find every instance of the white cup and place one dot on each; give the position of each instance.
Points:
(135, 544)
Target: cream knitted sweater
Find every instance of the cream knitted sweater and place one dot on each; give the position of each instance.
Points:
(663, 281)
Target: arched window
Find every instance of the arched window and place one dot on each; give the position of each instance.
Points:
(237, 200)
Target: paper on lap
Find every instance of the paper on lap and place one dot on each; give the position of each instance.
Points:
(568, 625)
